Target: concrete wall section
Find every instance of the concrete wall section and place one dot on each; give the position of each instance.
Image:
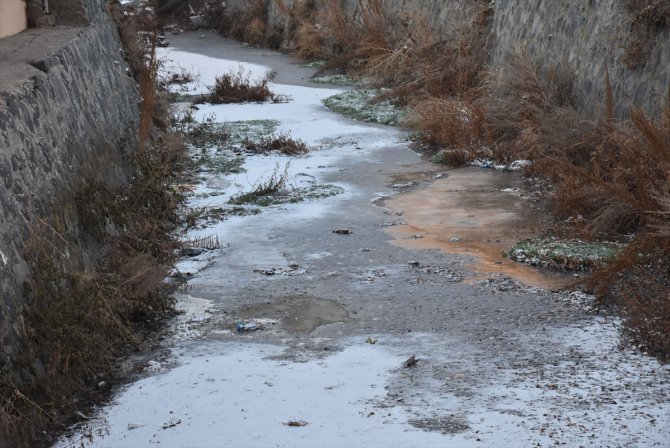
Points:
(67, 105)
(591, 37)
(13, 17)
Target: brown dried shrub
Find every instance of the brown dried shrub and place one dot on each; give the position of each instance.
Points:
(282, 143)
(238, 87)
(248, 24)
(447, 123)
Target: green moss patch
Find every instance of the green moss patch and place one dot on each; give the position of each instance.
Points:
(362, 105)
(336, 80)
(564, 254)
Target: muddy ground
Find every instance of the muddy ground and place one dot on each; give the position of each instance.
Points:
(505, 356)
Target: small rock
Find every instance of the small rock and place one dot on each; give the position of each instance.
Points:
(371, 341)
(455, 239)
(343, 231)
(192, 251)
(296, 423)
(365, 249)
(414, 263)
(132, 426)
(416, 237)
(411, 361)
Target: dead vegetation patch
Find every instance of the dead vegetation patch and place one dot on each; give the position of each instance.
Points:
(239, 87)
(248, 24)
(282, 143)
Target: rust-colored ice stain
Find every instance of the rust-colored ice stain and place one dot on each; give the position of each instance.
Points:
(474, 212)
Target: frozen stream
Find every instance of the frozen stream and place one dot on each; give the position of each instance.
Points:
(337, 315)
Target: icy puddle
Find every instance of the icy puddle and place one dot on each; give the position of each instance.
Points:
(474, 212)
(248, 395)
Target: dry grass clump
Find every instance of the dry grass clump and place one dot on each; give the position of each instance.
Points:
(447, 123)
(620, 188)
(134, 45)
(323, 32)
(262, 192)
(238, 87)
(642, 292)
(282, 143)
(248, 24)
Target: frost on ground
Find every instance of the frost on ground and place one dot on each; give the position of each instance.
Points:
(362, 395)
(362, 105)
(336, 80)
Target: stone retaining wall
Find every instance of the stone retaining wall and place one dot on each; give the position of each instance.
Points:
(67, 109)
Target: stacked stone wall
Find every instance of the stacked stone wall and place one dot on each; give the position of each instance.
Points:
(68, 115)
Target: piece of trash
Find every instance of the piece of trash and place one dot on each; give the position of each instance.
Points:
(343, 231)
(171, 424)
(499, 262)
(296, 423)
(244, 327)
(371, 341)
(132, 426)
(398, 212)
(414, 263)
(403, 184)
(416, 236)
(81, 415)
(371, 414)
(365, 249)
(519, 164)
(455, 239)
(411, 361)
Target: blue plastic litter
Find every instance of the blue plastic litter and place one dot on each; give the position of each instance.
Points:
(242, 327)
